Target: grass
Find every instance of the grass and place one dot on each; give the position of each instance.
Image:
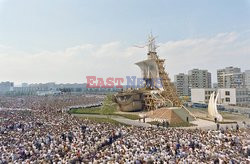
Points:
(228, 117)
(108, 108)
(100, 111)
(86, 111)
(128, 116)
(183, 124)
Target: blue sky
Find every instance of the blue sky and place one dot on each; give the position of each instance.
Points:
(32, 29)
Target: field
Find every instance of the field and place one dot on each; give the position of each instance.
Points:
(108, 108)
(228, 117)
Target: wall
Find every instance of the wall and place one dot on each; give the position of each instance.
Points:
(222, 96)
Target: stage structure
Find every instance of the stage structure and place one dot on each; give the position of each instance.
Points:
(158, 91)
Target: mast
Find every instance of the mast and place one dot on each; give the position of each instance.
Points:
(155, 67)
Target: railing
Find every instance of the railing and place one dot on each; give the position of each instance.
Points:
(189, 111)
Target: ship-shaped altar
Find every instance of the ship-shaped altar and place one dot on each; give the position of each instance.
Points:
(158, 91)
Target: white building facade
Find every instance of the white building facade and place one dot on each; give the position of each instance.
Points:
(201, 95)
(227, 96)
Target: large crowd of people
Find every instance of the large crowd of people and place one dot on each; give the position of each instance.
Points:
(36, 130)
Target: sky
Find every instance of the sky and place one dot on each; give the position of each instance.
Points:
(64, 41)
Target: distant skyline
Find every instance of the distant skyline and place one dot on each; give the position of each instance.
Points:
(64, 41)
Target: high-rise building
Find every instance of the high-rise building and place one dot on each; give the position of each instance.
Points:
(6, 87)
(181, 83)
(25, 85)
(199, 78)
(230, 77)
(247, 79)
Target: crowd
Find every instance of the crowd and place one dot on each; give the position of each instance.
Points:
(45, 134)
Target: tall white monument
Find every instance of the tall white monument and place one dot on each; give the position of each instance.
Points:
(212, 107)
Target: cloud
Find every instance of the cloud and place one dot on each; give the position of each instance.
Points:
(114, 59)
(70, 65)
(212, 53)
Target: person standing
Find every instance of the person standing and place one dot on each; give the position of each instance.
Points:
(167, 124)
(164, 124)
(158, 124)
(218, 126)
(237, 127)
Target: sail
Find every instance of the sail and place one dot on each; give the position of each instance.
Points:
(149, 69)
(212, 107)
(217, 114)
(215, 104)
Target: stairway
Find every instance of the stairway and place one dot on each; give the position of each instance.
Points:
(169, 89)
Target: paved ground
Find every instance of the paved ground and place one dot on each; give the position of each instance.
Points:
(203, 124)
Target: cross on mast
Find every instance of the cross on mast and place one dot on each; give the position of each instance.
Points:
(151, 43)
